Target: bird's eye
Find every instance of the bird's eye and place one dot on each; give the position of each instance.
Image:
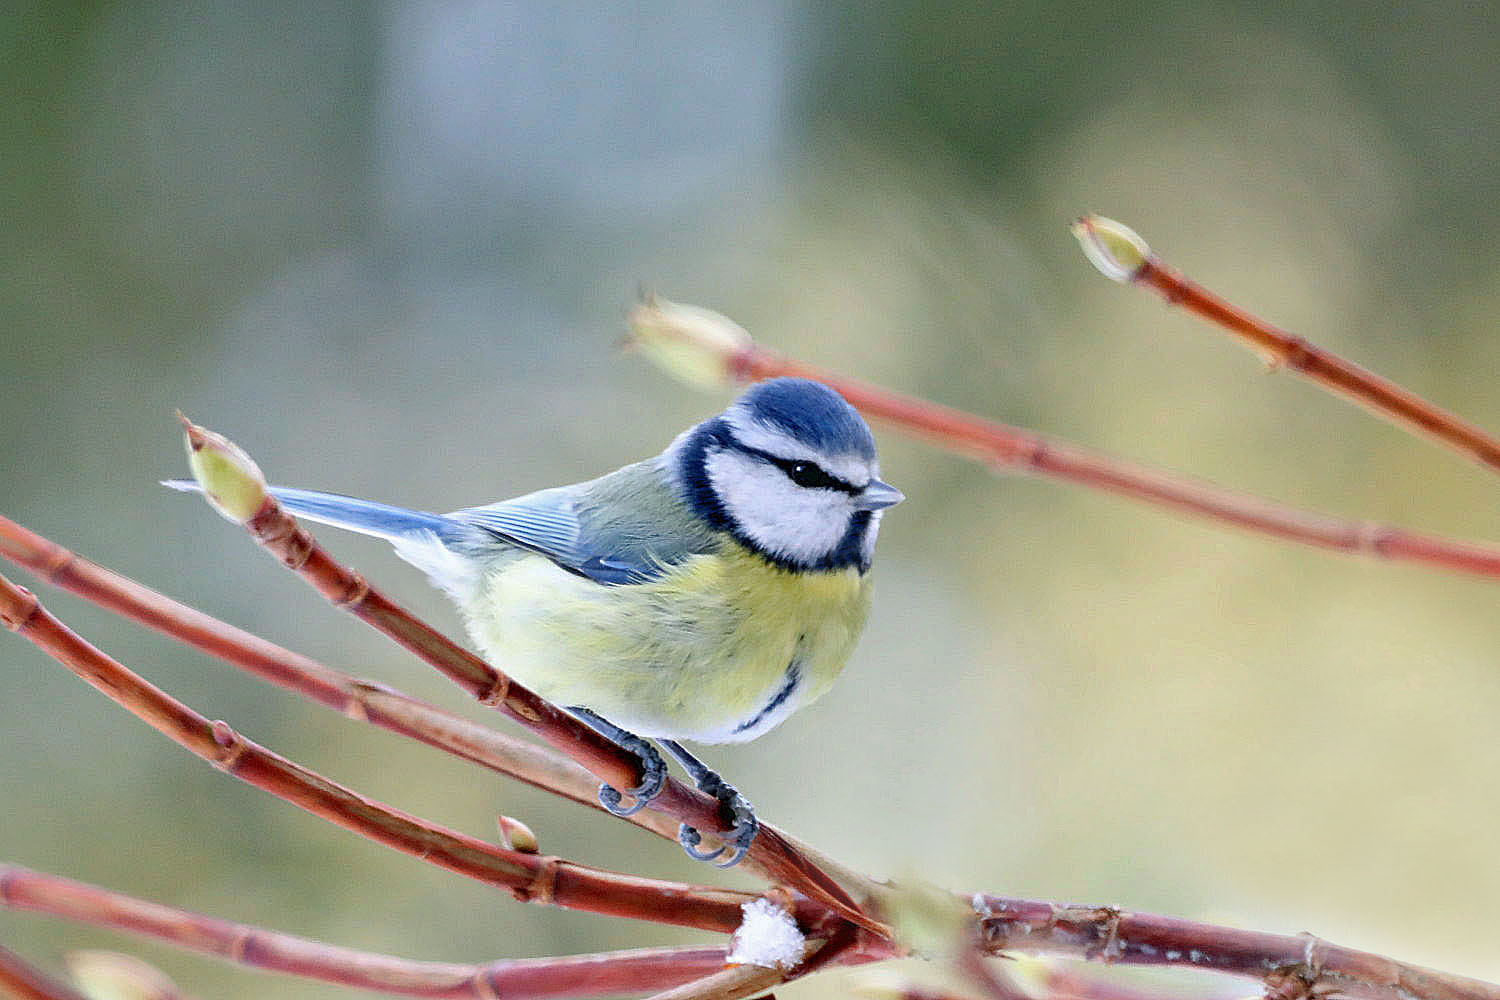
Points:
(808, 474)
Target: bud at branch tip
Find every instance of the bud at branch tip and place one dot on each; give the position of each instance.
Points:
(107, 975)
(1115, 249)
(231, 481)
(695, 345)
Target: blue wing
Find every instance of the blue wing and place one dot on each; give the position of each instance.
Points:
(627, 527)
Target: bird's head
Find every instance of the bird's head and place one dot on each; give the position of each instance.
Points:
(790, 470)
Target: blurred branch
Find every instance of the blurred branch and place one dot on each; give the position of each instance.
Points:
(1013, 450)
(23, 981)
(234, 485)
(529, 877)
(1295, 966)
(609, 974)
(1120, 254)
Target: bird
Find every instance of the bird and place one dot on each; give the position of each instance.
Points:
(703, 594)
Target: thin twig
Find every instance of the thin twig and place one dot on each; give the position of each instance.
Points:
(23, 981)
(1013, 450)
(294, 546)
(529, 877)
(608, 974)
(1127, 259)
(1117, 937)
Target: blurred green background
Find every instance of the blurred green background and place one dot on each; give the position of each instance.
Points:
(389, 247)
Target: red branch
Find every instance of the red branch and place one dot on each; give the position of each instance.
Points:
(349, 696)
(610, 974)
(1295, 964)
(530, 877)
(1380, 396)
(362, 700)
(1011, 449)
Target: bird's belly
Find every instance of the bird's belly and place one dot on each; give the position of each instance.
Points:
(718, 649)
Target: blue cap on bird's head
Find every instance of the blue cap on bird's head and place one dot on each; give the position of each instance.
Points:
(811, 413)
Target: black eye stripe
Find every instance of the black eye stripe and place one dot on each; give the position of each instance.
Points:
(803, 472)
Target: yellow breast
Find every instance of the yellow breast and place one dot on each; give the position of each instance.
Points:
(720, 648)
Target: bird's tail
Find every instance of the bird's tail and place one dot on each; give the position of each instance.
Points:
(444, 548)
(395, 524)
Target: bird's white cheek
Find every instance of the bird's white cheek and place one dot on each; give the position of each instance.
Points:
(783, 518)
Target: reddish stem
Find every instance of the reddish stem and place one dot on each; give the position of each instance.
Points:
(610, 974)
(1380, 396)
(529, 877)
(1292, 965)
(1010, 449)
(349, 696)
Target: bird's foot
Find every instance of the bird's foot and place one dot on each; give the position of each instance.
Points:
(737, 812)
(653, 768)
(653, 777)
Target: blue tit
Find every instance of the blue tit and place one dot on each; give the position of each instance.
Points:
(704, 594)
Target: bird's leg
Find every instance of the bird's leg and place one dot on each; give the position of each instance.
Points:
(653, 768)
(734, 807)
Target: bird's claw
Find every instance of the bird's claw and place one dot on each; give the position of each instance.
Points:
(737, 810)
(653, 777)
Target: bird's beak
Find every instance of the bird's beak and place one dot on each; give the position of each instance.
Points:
(877, 496)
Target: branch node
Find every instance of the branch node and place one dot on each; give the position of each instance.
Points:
(19, 608)
(354, 707)
(1296, 354)
(543, 886)
(279, 532)
(231, 746)
(1036, 454)
(1369, 537)
(1302, 980)
(498, 691)
(1113, 949)
(238, 946)
(486, 986)
(56, 563)
(354, 596)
